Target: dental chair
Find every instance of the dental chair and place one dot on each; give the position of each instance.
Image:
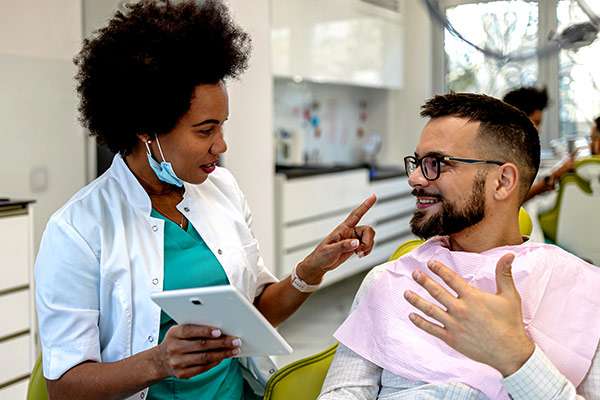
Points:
(574, 220)
(303, 379)
(300, 380)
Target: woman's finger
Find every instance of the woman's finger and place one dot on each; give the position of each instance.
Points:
(203, 344)
(354, 217)
(366, 236)
(201, 358)
(190, 331)
(341, 247)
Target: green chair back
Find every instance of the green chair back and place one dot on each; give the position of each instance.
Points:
(302, 379)
(36, 389)
(549, 219)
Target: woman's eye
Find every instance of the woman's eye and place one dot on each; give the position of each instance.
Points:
(206, 131)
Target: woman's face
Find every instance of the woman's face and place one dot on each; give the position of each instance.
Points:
(194, 145)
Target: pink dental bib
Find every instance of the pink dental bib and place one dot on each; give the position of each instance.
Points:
(561, 310)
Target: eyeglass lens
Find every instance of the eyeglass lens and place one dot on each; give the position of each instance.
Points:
(429, 166)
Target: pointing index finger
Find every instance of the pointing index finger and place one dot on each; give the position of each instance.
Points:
(354, 217)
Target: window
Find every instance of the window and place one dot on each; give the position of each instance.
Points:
(579, 77)
(505, 26)
(572, 77)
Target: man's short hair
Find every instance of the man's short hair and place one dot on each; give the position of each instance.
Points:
(505, 133)
(527, 99)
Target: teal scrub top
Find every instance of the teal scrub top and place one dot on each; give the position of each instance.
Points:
(188, 262)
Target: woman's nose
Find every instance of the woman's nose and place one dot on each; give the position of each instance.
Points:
(219, 146)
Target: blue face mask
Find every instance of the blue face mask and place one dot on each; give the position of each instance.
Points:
(164, 170)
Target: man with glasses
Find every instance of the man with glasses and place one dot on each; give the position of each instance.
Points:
(477, 311)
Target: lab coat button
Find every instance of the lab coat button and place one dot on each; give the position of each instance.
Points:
(186, 209)
(142, 395)
(155, 281)
(220, 251)
(154, 228)
(151, 338)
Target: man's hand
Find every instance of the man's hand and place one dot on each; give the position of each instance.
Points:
(346, 239)
(485, 327)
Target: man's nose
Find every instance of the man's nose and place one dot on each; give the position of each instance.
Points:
(416, 178)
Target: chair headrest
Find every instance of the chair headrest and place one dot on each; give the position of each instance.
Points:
(590, 171)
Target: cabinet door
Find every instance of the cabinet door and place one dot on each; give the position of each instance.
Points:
(337, 41)
(15, 239)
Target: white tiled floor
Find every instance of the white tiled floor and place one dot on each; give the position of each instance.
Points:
(311, 328)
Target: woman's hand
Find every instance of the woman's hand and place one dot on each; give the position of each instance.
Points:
(188, 350)
(346, 239)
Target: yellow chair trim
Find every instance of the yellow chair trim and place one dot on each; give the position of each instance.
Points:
(291, 368)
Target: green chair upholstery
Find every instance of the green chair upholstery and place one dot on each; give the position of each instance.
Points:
(36, 390)
(303, 379)
(549, 219)
(573, 221)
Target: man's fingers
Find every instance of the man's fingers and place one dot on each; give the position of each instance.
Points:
(354, 217)
(504, 279)
(452, 279)
(428, 308)
(436, 290)
(429, 327)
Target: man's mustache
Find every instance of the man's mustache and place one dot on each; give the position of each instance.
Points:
(422, 193)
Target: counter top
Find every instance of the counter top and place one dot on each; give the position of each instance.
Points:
(302, 171)
(6, 202)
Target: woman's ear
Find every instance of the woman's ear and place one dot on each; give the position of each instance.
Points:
(507, 182)
(144, 138)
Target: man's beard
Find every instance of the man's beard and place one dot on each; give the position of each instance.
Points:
(449, 220)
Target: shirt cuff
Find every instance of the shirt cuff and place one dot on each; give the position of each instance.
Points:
(537, 379)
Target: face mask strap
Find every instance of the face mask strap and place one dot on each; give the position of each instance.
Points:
(148, 148)
(160, 150)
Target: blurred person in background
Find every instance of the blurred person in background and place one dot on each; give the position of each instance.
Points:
(533, 101)
(595, 137)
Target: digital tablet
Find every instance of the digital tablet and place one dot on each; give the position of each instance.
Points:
(224, 307)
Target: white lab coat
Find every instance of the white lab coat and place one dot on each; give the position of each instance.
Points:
(101, 257)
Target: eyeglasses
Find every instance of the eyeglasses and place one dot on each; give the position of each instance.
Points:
(431, 165)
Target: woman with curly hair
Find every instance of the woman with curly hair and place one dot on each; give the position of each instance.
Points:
(164, 216)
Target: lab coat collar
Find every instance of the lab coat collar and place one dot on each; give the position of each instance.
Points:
(135, 193)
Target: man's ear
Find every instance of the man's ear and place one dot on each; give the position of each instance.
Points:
(507, 181)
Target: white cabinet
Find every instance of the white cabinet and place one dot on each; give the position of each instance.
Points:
(308, 208)
(17, 332)
(338, 41)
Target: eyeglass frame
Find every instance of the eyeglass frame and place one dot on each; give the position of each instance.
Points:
(418, 162)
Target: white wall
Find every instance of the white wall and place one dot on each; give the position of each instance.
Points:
(42, 154)
(249, 129)
(404, 105)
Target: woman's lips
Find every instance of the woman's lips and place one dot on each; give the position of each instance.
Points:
(208, 168)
